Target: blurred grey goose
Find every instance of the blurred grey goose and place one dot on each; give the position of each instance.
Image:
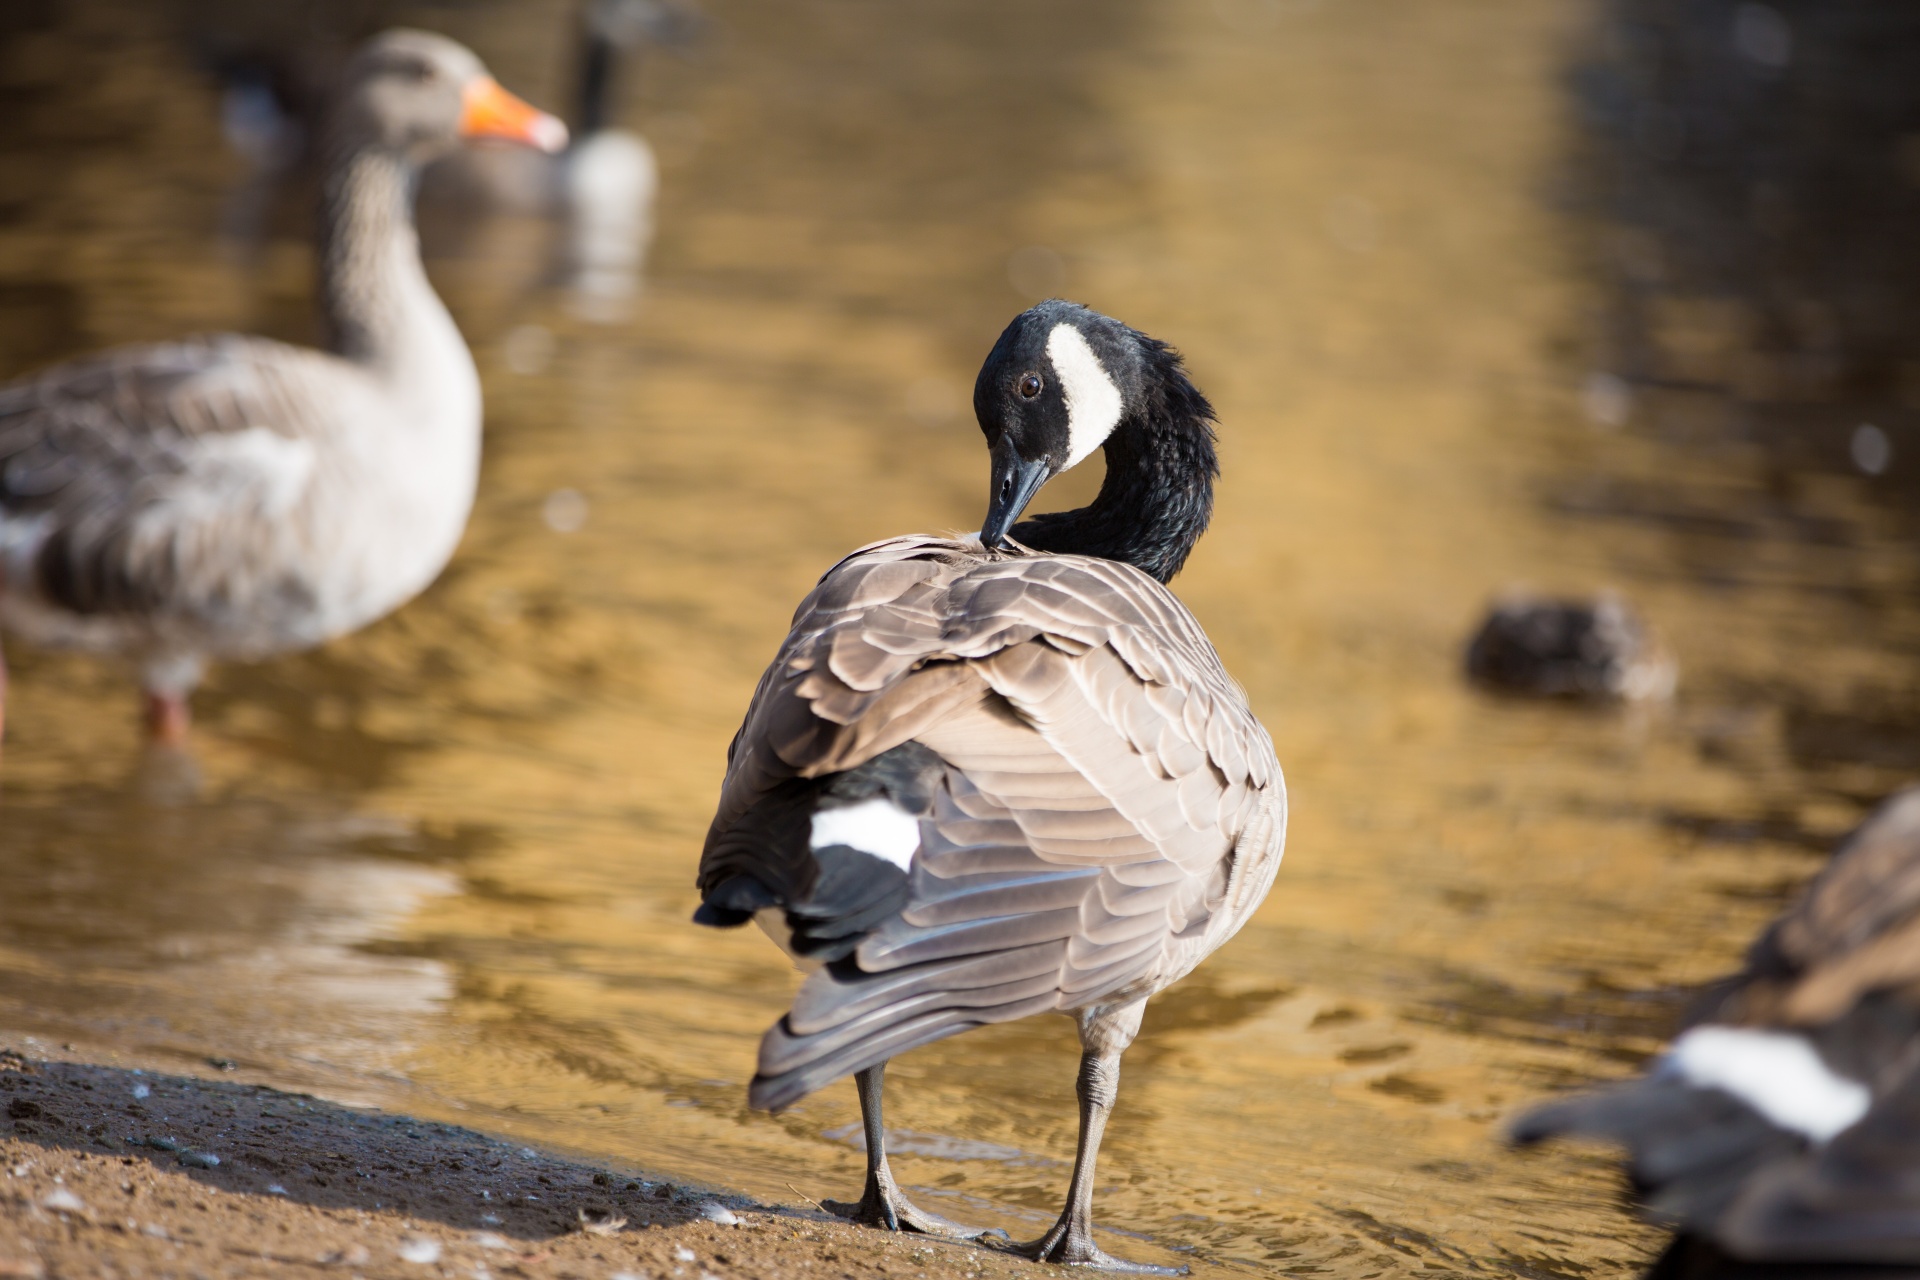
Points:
(234, 497)
(1781, 1131)
(984, 779)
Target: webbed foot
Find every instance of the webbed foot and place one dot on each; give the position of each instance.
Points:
(883, 1206)
(1070, 1244)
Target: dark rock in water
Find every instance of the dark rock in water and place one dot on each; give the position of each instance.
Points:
(1597, 649)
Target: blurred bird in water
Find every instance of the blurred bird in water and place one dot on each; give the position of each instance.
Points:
(234, 497)
(610, 175)
(989, 777)
(1780, 1134)
(1589, 649)
(600, 192)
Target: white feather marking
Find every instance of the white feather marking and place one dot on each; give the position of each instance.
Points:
(1776, 1073)
(879, 827)
(20, 539)
(273, 468)
(255, 470)
(1093, 401)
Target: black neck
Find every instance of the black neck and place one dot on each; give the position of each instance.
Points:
(596, 83)
(1158, 494)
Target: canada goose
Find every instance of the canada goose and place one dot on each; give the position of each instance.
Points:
(601, 190)
(984, 779)
(610, 175)
(233, 497)
(1597, 648)
(1780, 1126)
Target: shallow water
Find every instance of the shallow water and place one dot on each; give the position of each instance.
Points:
(445, 864)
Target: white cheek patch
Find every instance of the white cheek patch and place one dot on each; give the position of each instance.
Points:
(1093, 401)
(1777, 1074)
(876, 826)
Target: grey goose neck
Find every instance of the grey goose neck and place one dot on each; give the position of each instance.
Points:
(377, 306)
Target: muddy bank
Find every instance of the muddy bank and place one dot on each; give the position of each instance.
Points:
(115, 1171)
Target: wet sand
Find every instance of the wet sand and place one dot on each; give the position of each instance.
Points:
(111, 1170)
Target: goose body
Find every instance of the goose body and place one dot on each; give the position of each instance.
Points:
(228, 497)
(980, 782)
(235, 497)
(1780, 1134)
(610, 178)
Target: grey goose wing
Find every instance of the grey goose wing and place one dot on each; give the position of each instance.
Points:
(115, 469)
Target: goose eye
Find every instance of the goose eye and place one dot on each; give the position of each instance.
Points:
(1030, 385)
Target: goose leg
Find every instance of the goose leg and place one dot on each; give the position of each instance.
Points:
(167, 718)
(882, 1205)
(1105, 1037)
(167, 680)
(3, 695)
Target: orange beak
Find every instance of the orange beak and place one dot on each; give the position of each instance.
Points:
(488, 111)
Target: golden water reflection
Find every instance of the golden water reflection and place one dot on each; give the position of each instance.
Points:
(446, 864)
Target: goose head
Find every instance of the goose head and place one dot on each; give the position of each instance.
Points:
(417, 95)
(1064, 380)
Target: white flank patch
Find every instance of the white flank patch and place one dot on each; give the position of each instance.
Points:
(1093, 401)
(254, 468)
(876, 826)
(279, 466)
(20, 539)
(1776, 1073)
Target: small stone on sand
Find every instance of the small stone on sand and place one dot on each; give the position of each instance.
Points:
(61, 1200)
(420, 1249)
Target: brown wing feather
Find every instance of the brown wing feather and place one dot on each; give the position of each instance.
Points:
(1102, 771)
(1838, 972)
(1855, 931)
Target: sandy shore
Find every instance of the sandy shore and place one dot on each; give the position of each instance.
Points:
(108, 1171)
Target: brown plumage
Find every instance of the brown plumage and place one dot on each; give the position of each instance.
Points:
(1101, 772)
(1783, 1130)
(1084, 803)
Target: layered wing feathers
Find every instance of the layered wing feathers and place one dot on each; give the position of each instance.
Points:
(1838, 972)
(1101, 773)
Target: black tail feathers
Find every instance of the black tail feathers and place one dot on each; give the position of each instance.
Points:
(732, 904)
(833, 896)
